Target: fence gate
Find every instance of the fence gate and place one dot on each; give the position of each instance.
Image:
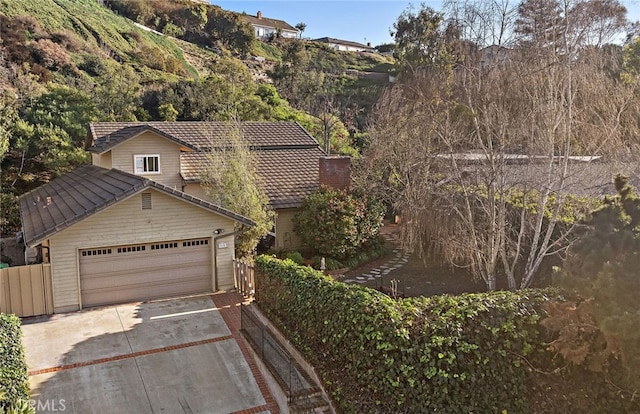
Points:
(26, 290)
(244, 278)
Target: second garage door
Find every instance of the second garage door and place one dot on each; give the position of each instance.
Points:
(130, 273)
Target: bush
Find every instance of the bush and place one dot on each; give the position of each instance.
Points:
(377, 355)
(9, 214)
(295, 257)
(14, 382)
(481, 352)
(337, 224)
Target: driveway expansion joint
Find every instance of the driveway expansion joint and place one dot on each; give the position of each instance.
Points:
(130, 355)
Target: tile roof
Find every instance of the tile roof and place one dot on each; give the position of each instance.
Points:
(267, 22)
(288, 175)
(287, 156)
(115, 137)
(203, 134)
(85, 191)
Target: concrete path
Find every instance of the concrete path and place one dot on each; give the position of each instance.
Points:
(174, 356)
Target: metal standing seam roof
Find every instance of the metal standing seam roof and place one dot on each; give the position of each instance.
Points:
(85, 191)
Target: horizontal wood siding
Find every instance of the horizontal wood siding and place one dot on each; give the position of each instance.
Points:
(150, 143)
(286, 238)
(195, 190)
(102, 160)
(126, 223)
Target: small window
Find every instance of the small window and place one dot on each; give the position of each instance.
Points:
(147, 164)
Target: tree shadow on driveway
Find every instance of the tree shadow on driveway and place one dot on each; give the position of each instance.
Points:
(169, 356)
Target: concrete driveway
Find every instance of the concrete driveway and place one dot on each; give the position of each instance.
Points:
(173, 356)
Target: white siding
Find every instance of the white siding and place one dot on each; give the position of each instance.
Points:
(150, 143)
(126, 223)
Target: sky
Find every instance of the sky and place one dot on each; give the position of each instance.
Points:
(360, 21)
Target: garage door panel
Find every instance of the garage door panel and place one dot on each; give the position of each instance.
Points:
(130, 273)
(148, 260)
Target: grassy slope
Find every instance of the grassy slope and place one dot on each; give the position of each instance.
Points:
(96, 25)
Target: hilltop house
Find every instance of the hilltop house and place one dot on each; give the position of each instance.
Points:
(136, 225)
(265, 27)
(345, 45)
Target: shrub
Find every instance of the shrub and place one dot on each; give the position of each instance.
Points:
(9, 214)
(14, 382)
(335, 223)
(377, 355)
(295, 257)
(51, 55)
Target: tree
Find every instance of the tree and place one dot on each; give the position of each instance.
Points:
(422, 39)
(301, 27)
(230, 180)
(117, 94)
(336, 223)
(443, 146)
(8, 117)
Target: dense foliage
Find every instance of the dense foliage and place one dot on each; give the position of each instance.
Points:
(66, 63)
(337, 223)
(455, 354)
(600, 329)
(14, 382)
(199, 23)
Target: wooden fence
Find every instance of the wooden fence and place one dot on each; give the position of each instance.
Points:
(26, 290)
(244, 277)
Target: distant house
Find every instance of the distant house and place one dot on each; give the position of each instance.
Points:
(345, 45)
(265, 27)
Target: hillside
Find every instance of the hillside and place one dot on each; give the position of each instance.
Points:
(65, 63)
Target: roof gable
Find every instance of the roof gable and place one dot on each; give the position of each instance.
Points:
(101, 143)
(85, 191)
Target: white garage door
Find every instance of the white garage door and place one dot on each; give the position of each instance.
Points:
(130, 273)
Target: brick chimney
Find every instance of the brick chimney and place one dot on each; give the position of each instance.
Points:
(335, 171)
(259, 15)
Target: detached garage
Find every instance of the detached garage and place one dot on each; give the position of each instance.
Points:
(113, 237)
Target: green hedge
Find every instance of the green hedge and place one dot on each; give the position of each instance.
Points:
(14, 381)
(441, 354)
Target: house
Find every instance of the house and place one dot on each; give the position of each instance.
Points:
(265, 27)
(345, 45)
(136, 225)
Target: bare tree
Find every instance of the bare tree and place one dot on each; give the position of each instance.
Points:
(484, 168)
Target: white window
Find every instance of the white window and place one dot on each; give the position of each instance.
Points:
(147, 164)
